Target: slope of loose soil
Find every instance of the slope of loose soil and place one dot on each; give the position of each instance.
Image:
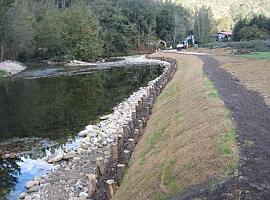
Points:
(254, 74)
(189, 138)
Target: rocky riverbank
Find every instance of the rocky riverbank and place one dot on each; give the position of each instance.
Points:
(93, 169)
(11, 67)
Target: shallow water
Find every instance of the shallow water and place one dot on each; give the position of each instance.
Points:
(55, 109)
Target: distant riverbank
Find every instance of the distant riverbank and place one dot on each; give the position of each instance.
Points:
(10, 68)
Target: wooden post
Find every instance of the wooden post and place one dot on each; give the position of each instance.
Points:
(125, 131)
(120, 171)
(148, 111)
(101, 168)
(114, 153)
(126, 156)
(131, 144)
(120, 141)
(131, 128)
(111, 187)
(140, 126)
(136, 135)
(92, 184)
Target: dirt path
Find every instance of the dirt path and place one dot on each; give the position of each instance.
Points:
(252, 117)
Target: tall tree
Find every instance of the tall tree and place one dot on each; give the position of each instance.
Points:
(203, 24)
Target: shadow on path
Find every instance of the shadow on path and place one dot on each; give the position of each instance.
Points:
(252, 118)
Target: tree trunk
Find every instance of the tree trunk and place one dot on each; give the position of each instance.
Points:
(2, 53)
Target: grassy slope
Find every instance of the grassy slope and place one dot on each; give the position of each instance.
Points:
(189, 139)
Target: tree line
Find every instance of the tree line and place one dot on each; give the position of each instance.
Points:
(87, 29)
(256, 27)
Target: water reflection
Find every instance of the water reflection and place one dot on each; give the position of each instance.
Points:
(9, 170)
(58, 107)
(55, 108)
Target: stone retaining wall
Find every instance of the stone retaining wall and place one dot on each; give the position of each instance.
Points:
(111, 142)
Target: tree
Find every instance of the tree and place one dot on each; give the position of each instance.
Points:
(203, 24)
(5, 6)
(73, 32)
(118, 33)
(18, 32)
(166, 22)
(252, 33)
(141, 13)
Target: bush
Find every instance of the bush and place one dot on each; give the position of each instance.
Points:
(252, 32)
(253, 45)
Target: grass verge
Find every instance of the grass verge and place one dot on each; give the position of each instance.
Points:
(258, 55)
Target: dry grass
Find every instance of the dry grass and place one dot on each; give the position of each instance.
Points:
(254, 74)
(189, 138)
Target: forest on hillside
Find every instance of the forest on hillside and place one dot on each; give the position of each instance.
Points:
(86, 29)
(227, 12)
(91, 29)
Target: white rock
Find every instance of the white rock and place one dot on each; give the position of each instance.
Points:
(83, 133)
(23, 195)
(83, 195)
(30, 184)
(55, 158)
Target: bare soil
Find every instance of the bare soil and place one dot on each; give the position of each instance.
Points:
(252, 73)
(251, 114)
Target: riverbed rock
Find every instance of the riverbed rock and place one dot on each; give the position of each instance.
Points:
(68, 156)
(83, 195)
(23, 195)
(34, 189)
(31, 184)
(55, 158)
(83, 133)
(37, 178)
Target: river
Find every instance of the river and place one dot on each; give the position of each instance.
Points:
(43, 108)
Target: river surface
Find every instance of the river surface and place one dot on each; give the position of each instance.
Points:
(44, 107)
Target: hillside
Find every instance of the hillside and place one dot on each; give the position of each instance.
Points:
(224, 8)
(226, 12)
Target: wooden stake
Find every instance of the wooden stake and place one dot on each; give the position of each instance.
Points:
(114, 153)
(101, 168)
(125, 131)
(111, 187)
(131, 144)
(126, 156)
(120, 171)
(119, 140)
(136, 135)
(92, 184)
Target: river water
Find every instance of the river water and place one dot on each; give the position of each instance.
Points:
(45, 107)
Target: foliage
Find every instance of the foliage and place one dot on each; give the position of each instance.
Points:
(203, 24)
(87, 29)
(72, 32)
(165, 22)
(227, 13)
(257, 27)
(253, 45)
(258, 55)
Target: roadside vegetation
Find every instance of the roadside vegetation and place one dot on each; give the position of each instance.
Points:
(258, 55)
(189, 140)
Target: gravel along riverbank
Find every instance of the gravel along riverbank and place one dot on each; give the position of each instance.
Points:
(11, 67)
(104, 149)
